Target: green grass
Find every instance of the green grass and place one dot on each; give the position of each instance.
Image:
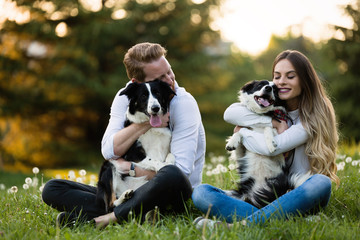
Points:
(23, 215)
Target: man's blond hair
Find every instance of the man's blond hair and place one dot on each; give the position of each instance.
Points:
(138, 55)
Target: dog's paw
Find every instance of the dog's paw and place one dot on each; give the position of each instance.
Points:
(269, 139)
(271, 148)
(124, 197)
(170, 159)
(233, 142)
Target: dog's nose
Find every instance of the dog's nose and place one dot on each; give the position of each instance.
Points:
(268, 89)
(155, 109)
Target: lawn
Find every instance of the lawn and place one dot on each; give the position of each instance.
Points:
(25, 216)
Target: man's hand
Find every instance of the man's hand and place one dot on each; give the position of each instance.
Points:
(165, 120)
(125, 168)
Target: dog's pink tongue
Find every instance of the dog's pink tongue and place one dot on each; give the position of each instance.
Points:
(155, 121)
(264, 102)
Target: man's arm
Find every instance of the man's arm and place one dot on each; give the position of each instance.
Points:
(186, 121)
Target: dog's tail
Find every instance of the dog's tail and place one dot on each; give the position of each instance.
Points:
(104, 186)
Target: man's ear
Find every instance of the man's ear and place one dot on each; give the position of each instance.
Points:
(135, 80)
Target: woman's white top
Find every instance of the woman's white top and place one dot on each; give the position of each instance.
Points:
(294, 137)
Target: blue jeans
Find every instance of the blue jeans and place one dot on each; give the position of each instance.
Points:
(310, 196)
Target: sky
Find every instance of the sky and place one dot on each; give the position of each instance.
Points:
(250, 23)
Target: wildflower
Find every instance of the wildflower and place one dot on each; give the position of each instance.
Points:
(2, 186)
(223, 169)
(82, 172)
(341, 165)
(348, 160)
(71, 175)
(221, 159)
(208, 173)
(25, 186)
(41, 188)
(35, 182)
(13, 189)
(79, 180)
(355, 163)
(28, 181)
(215, 171)
(232, 167)
(35, 170)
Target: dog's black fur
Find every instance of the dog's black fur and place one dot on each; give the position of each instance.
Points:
(147, 101)
(262, 179)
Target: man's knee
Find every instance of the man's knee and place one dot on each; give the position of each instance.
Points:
(174, 178)
(172, 172)
(48, 191)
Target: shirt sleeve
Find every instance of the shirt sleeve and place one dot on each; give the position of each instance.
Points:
(238, 114)
(291, 138)
(185, 121)
(116, 123)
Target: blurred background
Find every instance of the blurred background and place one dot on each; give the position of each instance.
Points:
(61, 65)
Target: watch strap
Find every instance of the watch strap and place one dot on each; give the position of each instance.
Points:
(132, 170)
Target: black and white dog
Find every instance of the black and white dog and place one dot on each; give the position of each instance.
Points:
(262, 178)
(147, 103)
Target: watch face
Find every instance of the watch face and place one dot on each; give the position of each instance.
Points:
(132, 173)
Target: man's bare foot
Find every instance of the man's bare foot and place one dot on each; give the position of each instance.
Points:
(104, 220)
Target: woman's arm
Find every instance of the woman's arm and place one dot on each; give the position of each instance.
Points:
(238, 114)
(291, 138)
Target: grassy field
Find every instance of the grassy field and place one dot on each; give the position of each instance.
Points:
(23, 215)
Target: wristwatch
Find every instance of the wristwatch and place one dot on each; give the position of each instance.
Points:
(132, 170)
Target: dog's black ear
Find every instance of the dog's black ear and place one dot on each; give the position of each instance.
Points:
(166, 88)
(130, 89)
(248, 86)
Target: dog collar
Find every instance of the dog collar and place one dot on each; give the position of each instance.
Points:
(280, 115)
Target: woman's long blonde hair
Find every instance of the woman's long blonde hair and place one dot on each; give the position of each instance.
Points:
(317, 116)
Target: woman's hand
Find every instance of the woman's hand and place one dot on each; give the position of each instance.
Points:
(237, 128)
(280, 126)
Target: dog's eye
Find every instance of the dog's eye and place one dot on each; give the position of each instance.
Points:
(143, 97)
(156, 93)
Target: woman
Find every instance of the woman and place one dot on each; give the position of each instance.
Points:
(313, 134)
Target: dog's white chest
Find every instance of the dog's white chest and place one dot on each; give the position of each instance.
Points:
(156, 143)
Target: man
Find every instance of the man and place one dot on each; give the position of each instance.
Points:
(171, 185)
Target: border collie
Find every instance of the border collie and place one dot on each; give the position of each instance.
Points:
(262, 178)
(147, 103)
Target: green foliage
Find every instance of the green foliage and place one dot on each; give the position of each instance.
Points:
(55, 100)
(346, 54)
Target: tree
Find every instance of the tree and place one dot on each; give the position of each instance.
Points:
(345, 80)
(61, 67)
